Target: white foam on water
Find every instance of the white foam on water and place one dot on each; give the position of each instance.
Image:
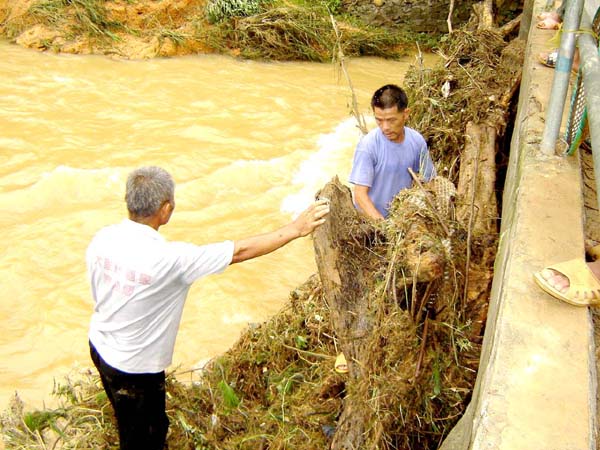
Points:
(9, 146)
(65, 179)
(65, 188)
(332, 158)
(236, 318)
(62, 79)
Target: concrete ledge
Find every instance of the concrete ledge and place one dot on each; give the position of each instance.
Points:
(536, 386)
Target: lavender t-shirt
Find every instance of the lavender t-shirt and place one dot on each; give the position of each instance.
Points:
(382, 165)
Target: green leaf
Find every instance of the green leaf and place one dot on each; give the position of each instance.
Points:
(437, 380)
(301, 342)
(38, 420)
(229, 396)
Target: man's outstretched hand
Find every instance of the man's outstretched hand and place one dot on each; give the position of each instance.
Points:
(312, 217)
(303, 225)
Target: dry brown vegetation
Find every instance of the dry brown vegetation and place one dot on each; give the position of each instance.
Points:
(145, 29)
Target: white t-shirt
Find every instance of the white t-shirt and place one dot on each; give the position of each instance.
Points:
(139, 284)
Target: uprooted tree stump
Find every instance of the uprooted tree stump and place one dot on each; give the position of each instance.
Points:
(408, 296)
(343, 265)
(395, 293)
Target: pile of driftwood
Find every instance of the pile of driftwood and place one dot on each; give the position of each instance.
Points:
(408, 297)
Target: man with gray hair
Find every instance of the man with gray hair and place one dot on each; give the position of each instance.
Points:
(139, 283)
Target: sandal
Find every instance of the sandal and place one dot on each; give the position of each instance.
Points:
(549, 59)
(584, 288)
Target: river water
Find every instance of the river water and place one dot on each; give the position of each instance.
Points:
(248, 144)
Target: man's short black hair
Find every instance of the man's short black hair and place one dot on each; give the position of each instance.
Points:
(389, 96)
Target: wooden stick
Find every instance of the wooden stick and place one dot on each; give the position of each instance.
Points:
(470, 231)
(449, 20)
(422, 350)
(361, 124)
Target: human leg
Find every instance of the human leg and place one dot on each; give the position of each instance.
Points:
(140, 410)
(139, 404)
(105, 382)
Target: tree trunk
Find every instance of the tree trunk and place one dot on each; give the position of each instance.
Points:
(477, 179)
(346, 265)
(340, 262)
(485, 14)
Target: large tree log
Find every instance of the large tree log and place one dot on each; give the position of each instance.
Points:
(477, 179)
(340, 262)
(346, 266)
(348, 250)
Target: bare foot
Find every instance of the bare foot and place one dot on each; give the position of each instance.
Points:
(549, 59)
(560, 282)
(548, 24)
(549, 15)
(556, 279)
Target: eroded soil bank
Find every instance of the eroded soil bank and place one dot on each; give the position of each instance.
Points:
(146, 29)
(126, 29)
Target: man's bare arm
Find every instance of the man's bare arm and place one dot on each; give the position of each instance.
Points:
(262, 244)
(362, 199)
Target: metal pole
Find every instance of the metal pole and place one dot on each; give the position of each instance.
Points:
(590, 66)
(562, 73)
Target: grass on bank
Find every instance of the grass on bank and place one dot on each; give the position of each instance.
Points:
(87, 17)
(263, 29)
(293, 33)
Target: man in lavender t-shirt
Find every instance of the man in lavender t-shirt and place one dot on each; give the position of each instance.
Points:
(383, 157)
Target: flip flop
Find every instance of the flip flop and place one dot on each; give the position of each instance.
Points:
(549, 59)
(341, 366)
(584, 288)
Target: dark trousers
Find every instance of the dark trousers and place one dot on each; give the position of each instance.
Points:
(139, 404)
